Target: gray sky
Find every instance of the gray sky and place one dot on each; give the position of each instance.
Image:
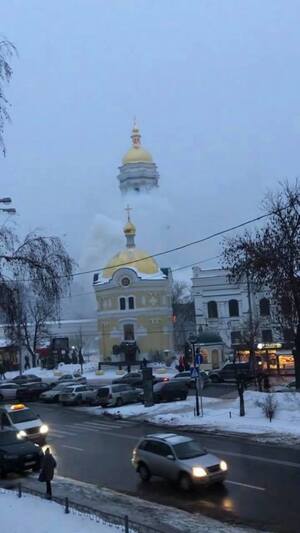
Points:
(215, 88)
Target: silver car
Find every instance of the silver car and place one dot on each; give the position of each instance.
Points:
(77, 395)
(117, 395)
(52, 395)
(8, 391)
(179, 459)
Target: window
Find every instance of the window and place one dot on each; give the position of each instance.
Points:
(128, 332)
(131, 302)
(264, 307)
(267, 335)
(288, 334)
(212, 309)
(122, 304)
(125, 282)
(233, 308)
(236, 337)
(159, 448)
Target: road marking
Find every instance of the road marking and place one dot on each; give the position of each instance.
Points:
(72, 447)
(245, 485)
(62, 433)
(96, 427)
(256, 458)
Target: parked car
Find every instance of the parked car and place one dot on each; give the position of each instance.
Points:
(8, 391)
(18, 454)
(31, 391)
(185, 377)
(78, 394)
(52, 395)
(170, 391)
(117, 394)
(135, 379)
(290, 387)
(68, 378)
(25, 421)
(26, 378)
(229, 372)
(179, 459)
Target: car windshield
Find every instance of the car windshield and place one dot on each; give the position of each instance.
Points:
(24, 415)
(60, 388)
(188, 449)
(8, 437)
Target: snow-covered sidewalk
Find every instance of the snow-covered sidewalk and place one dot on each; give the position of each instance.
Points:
(156, 517)
(33, 514)
(223, 415)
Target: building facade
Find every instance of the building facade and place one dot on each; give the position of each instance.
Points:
(223, 307)
(138, 172)
(134, 306)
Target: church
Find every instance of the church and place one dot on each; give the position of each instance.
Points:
(134, 295)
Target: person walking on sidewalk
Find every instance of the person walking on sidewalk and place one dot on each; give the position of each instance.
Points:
(47, 471)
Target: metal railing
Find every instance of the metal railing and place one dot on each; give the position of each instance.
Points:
(109, 518)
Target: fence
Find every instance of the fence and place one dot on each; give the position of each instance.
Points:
(109, 518)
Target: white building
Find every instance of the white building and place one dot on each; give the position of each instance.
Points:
(223, 307)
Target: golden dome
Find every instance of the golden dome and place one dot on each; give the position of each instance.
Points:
(136, 154)
(129, 228)
(134, 258)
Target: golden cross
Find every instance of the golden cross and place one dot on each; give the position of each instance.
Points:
(128, 209)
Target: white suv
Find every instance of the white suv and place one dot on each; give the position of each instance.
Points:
(78, 394)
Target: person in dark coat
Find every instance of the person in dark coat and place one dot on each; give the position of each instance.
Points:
(47, 471)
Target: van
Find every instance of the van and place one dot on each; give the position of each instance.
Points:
(230, 372)
(25, 421)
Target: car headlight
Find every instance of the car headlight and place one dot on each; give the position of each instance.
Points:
(44, 429)
(198, 471)
(223, 466)
(21, 434)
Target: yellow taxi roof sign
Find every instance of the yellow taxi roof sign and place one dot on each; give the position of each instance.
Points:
(17, 407)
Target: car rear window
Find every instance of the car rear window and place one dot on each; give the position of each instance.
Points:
(102, 393)
(8, 437)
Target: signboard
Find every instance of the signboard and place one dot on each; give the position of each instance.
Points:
(148, 386)
(194, 372)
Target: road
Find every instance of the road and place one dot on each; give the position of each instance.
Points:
(262, 488)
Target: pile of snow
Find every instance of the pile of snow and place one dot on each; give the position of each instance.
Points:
(40, 516)
(223, 415)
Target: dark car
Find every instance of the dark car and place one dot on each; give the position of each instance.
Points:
(135, 379)
(169, 391)
(185, 377)
(31, 391)
(18, 454)
(26, 378)
(230, 372)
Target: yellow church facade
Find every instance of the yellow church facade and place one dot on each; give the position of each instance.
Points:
(134, 305)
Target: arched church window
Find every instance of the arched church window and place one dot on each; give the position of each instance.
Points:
(212, 309)
(131, 302)
(264, 307)
(122, 304)
(233, 308)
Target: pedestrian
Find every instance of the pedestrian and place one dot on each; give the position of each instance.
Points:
(145, 362)
(266, 383)
(27, 363)
(47, 472)
(2, 372)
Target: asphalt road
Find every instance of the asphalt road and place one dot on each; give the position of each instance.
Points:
(263, 484)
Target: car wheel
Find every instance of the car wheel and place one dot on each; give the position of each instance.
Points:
(185, 482)
(144, 472)
(56, 398)
(214, 379)
(3, 473)
(79, 400)
(119, 402)
(1, 398)
(64, 404)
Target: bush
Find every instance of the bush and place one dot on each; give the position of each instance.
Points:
(269, 406)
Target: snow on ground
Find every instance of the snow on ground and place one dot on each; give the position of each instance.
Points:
(40, 516)
(89, 371)
(223, 415)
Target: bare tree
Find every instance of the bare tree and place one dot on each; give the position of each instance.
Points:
(7, 50)
(271, 255)
(34, 274)
(183, 313)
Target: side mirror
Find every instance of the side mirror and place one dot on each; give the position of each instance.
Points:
(171, 457)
